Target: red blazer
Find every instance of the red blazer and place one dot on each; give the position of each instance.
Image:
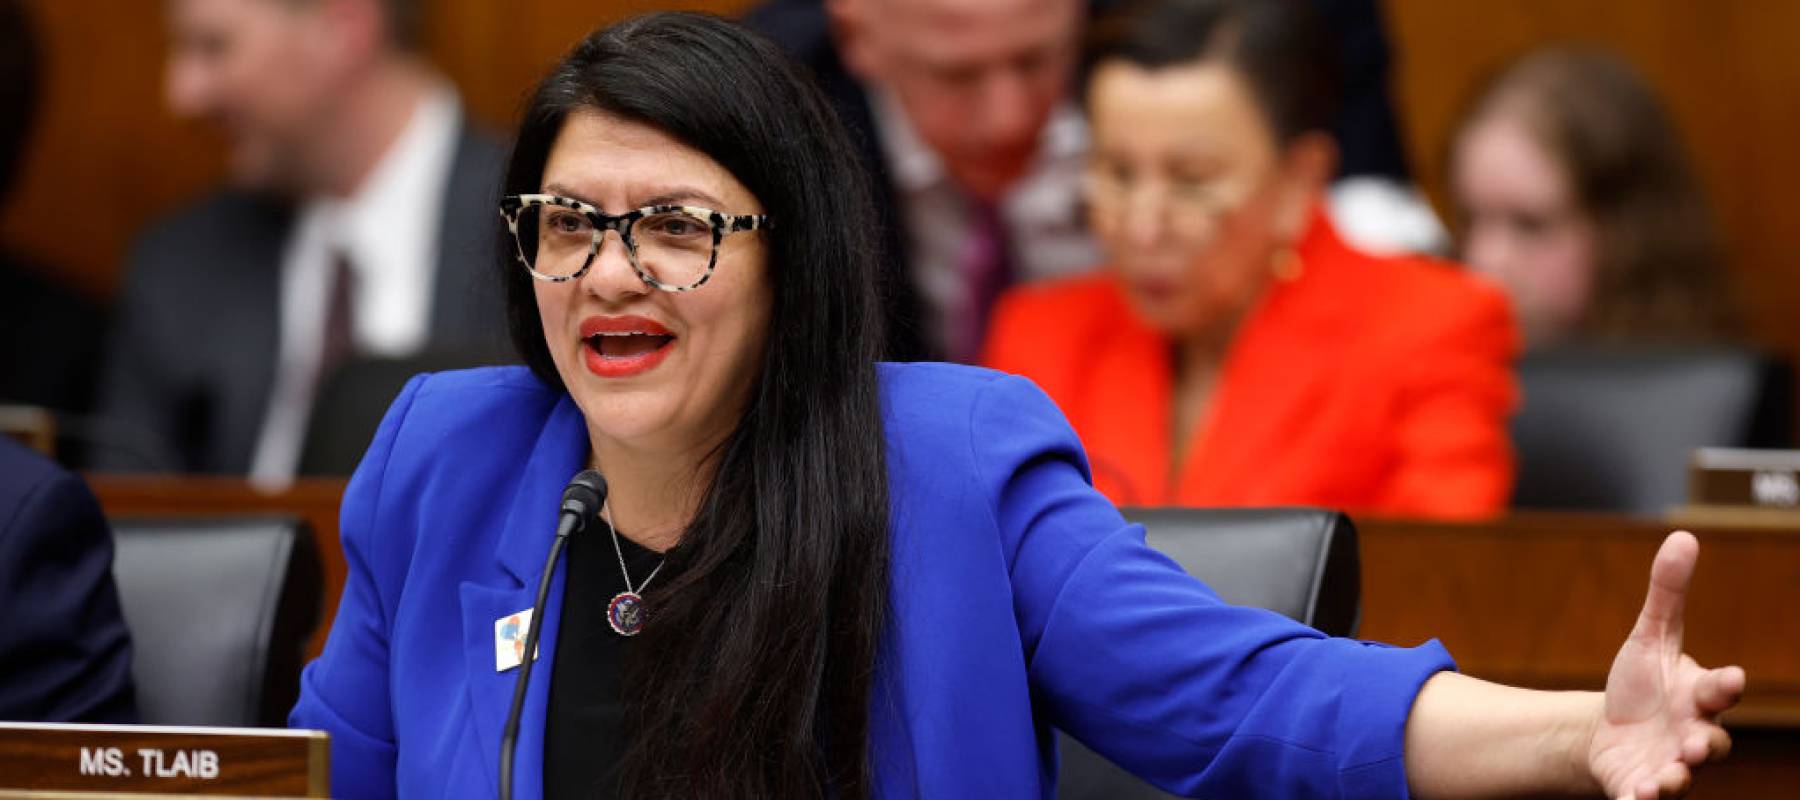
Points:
(1366, 384)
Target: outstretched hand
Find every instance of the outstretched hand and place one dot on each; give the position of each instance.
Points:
(1662, 708)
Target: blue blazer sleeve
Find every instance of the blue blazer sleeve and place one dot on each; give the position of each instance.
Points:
(1147, 666)
(345, 692)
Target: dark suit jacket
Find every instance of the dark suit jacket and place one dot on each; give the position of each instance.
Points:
(192, 360)
(65, 655)
(1368, 139)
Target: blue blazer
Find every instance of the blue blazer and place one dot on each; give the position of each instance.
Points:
(1021, 601)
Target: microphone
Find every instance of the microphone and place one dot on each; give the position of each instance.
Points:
(581, 500)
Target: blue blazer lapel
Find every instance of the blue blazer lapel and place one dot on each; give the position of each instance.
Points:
(523, 545)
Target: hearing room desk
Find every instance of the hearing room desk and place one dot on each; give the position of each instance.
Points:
(1533, 599)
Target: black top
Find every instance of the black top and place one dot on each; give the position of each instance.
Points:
(584, 736)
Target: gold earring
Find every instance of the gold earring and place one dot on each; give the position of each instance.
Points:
(1287, 265)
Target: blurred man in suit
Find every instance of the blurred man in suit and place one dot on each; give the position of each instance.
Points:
(358, 224)
(65, 655)
(966, 116)
(964, 112)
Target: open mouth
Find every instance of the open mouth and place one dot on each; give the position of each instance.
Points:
(620, 347)
(627, 345)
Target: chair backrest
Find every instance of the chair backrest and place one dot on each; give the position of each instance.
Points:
(1612, 428)
(220, 610)
(354, 397)
(1301, 562)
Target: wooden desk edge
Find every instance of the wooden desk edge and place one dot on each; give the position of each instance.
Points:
(182, 730)
(318, 766)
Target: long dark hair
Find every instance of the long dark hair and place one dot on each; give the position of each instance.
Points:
(1279, 47)
(755, 677)
(1660, 272)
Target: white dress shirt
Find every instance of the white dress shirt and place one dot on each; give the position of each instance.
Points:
(389, 232)
(1042, 212)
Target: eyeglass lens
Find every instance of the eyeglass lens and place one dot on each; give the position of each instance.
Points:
(673, 247)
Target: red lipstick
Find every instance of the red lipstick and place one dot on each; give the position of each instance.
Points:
(620, 347)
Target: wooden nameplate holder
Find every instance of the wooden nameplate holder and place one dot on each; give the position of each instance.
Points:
(41, 760)
(1755, 488)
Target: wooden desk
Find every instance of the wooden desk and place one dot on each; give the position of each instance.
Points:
(1540, 600)
(1545, 600)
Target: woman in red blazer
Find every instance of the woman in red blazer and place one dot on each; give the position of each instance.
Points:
(1236, 351)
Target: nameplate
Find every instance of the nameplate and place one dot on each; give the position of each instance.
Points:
(1722, 476)
(79, 761)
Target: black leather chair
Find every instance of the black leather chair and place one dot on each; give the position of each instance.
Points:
(1612, 428)
(220, 610)
(353, 399)
(1298, 561)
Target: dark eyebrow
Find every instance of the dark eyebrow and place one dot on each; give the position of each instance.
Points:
(559, 189)
(680, 195)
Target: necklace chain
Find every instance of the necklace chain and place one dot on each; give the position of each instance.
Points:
(606, 514)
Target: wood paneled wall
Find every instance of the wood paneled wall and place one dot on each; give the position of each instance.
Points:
(1727, 69)
(105, 156)
(495, 52)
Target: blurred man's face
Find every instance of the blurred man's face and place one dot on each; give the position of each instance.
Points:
(977, 78)
(260, 70)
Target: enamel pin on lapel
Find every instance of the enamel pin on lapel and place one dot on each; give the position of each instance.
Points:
(509, 640)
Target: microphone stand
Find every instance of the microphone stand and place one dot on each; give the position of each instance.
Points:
(581, 501)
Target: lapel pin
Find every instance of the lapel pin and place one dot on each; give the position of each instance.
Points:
(509, 640)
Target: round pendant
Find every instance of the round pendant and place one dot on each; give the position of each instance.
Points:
(626, 613)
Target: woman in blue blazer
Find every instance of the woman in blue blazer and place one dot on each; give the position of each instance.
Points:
(818, 575)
